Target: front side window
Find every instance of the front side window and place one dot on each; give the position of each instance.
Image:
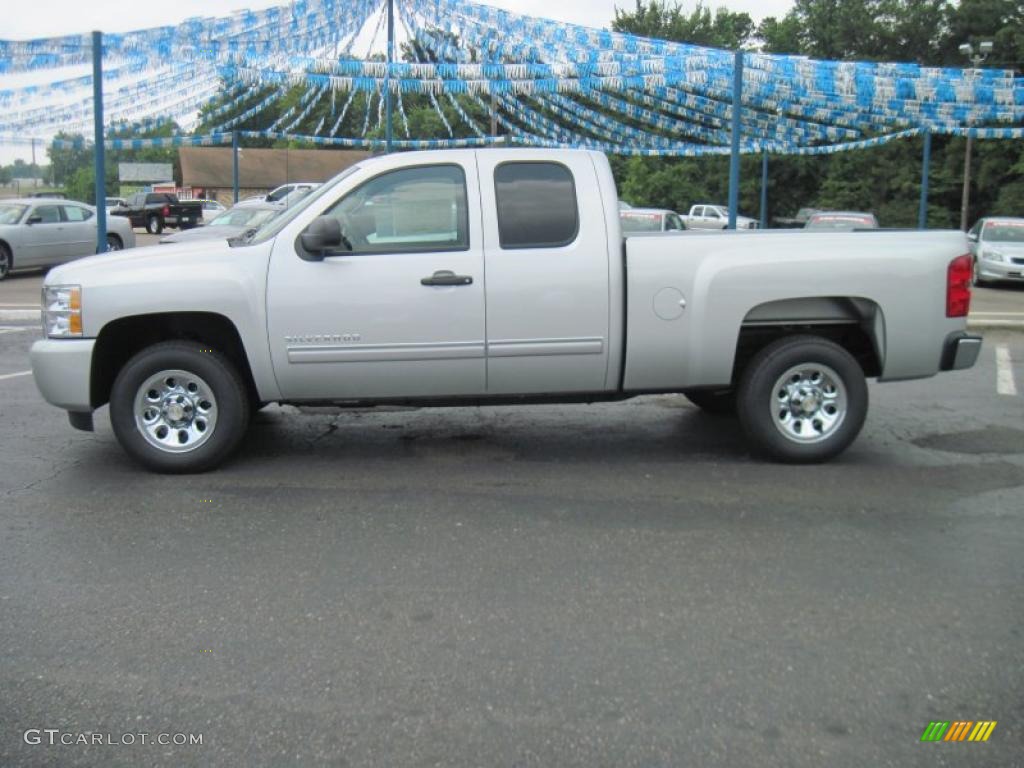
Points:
(674, 223)
(413, 209)
(537, 205)
(76, 213)
(47, 214)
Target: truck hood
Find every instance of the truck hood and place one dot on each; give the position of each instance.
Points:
(102, 266)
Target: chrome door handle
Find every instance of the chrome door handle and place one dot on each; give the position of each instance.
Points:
(446, 277)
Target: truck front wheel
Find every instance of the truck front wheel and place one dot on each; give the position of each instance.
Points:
(802, 399)
(154, 225)
(179, 407)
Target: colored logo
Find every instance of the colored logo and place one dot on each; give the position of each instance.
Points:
(959, 730)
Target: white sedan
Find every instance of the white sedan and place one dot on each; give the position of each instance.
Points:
(37, 233)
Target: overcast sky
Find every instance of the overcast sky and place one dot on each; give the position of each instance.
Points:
(45, 18)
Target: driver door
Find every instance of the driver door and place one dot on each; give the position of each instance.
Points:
(381, 317)
(46, 241)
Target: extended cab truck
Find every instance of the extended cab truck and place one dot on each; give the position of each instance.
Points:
(495, 276)
(157, 210)
(715, 217)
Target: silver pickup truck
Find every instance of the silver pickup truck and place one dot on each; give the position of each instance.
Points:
(494, 277)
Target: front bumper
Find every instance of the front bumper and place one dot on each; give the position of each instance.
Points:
(1000, 270)
(62, 370)
(960, 351)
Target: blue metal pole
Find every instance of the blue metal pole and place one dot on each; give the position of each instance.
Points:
(389, 129)
(234, 164)
(98, 149)
(764, 190)
(734, 158)
(926, 161)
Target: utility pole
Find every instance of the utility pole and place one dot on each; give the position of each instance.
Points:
(98, 148)
(976, 59)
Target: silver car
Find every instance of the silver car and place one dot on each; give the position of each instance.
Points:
(649, 220)
(840, 221)
(997, 244)
(229, 224)
(37, 233)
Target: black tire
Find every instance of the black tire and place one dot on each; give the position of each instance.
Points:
(154, 224)
(720, 402)
(231, 402)
(6, 261)
(114, 243)
(768, 420)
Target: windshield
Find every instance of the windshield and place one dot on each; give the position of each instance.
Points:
(11, 214)
(243, 217)
(1003, 232)
(276, 224)
(640, 222)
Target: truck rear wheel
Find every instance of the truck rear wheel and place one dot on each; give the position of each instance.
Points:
(154, 225)
(802, 399)
(178, 407)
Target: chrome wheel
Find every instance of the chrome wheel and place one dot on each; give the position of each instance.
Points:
(175, 411)
(5, 262)
(809, 403)
(113, 243)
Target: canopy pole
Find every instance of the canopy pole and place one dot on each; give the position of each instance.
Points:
(734, 157)
(98, 149)
(389, 125)
(764, 189)
(234, 164)
(965, 199)
(926, 161)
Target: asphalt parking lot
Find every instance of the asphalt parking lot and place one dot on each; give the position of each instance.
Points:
(542, 586)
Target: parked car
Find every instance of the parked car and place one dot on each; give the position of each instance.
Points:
(715, 217)
(211, 210)
(157, 210)
(36, 233)
(997, 247)
(841, 221)
(230, 223)
(372, 290)
(802, 215)
(650, 220)
(284, 196)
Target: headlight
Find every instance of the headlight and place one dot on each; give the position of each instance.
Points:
(62, 311)
(994, 256)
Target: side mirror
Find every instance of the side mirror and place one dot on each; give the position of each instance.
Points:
(973, 237)
(323, 235)
(34, 219)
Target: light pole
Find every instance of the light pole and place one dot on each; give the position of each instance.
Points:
(976, 58)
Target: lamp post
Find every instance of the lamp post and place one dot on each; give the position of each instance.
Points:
(976, 57)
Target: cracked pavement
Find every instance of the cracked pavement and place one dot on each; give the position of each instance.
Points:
(541, 586)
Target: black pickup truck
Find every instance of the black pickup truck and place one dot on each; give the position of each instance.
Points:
(156, 210)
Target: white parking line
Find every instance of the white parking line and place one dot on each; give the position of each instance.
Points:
(15, 375)
(1005, 385)
(19, 314)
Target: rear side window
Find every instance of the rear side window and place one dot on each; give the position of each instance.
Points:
(536, 205)
(74, 213)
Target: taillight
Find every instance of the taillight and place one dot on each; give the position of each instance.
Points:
(958, 286)
(167, 211)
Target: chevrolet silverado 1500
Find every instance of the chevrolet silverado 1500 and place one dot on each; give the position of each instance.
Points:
(495, 276)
